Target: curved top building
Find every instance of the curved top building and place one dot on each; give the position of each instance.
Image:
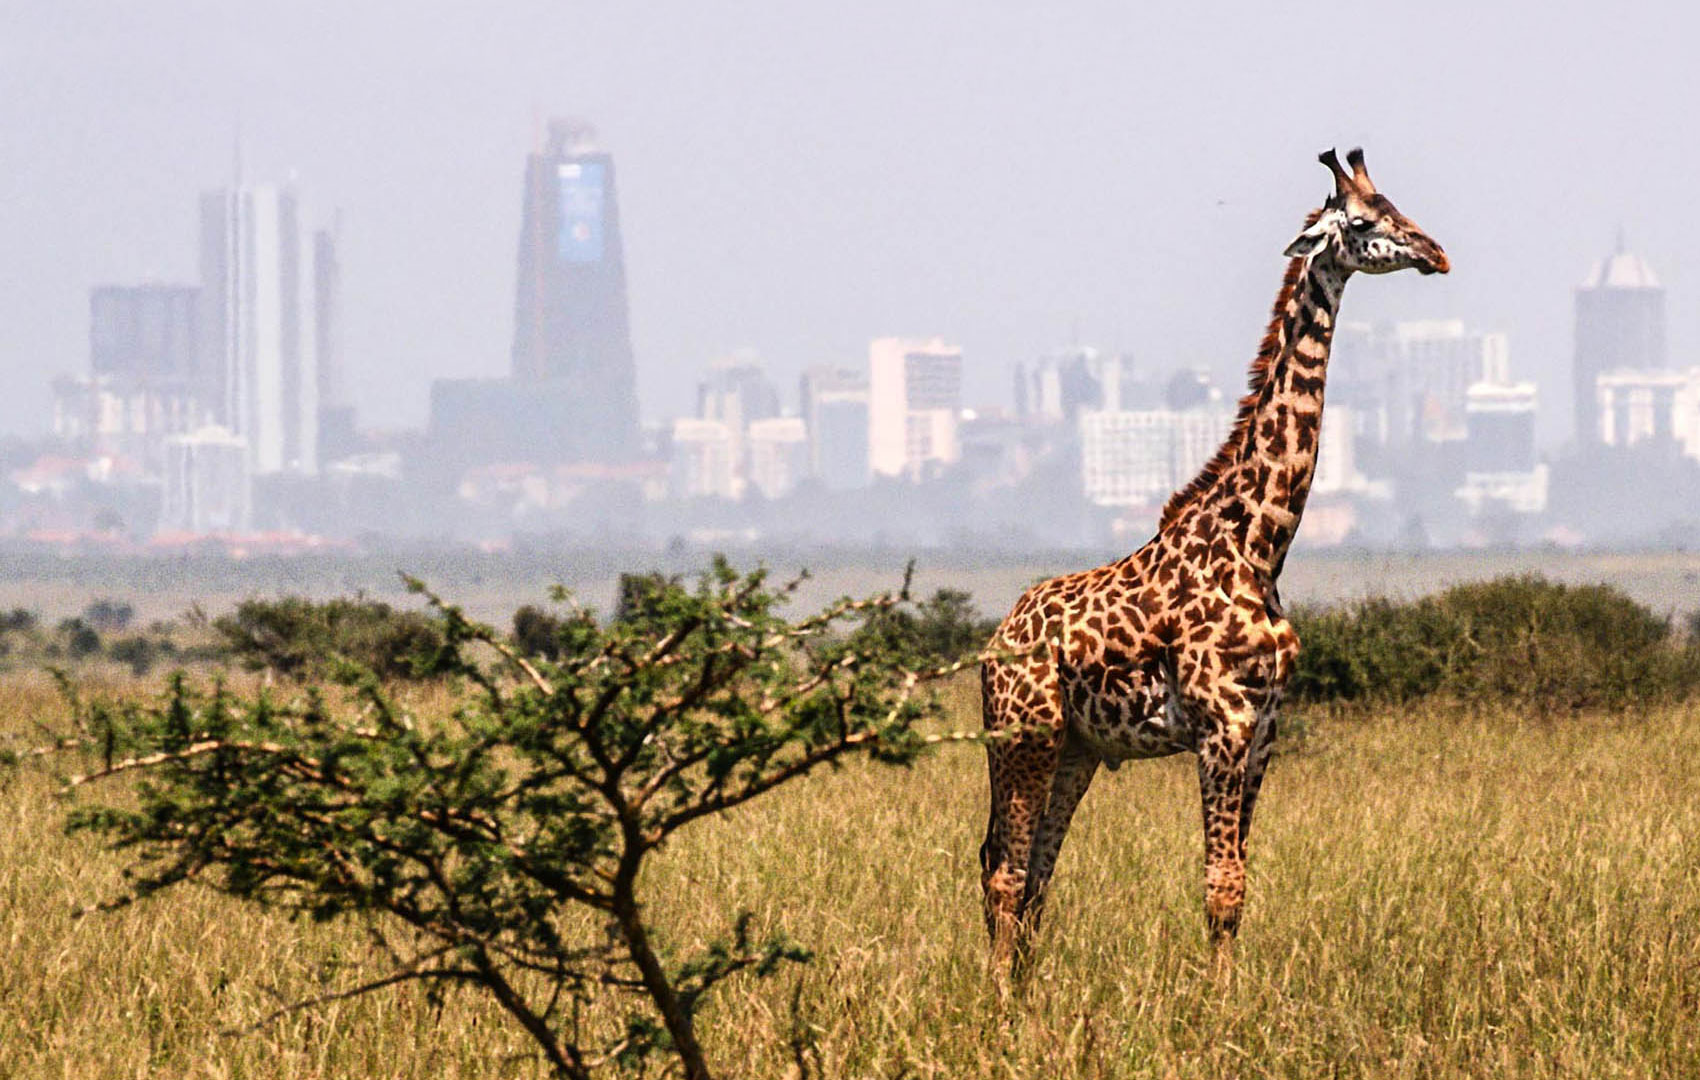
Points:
(1620, 324)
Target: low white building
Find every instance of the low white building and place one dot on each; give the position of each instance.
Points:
(778, 454)
(704, 460)
(1636, 406)
(208, 487)
(1336, 455)
(1500, 466)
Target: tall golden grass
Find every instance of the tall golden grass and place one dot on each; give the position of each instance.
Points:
(1433, 895)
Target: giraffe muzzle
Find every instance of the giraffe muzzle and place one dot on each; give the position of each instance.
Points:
(1435, 262)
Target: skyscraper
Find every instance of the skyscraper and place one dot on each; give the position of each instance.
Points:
(571, 326)
(1620, 324)
(257, 325)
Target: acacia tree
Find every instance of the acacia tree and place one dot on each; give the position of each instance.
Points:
(473, 843)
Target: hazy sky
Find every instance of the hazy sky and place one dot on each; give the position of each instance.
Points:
(797, 179)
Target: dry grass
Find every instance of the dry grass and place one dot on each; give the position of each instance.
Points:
(1431, 896)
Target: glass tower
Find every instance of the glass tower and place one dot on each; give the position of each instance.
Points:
(572, 335)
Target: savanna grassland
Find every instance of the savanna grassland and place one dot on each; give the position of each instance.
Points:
(1434, 893)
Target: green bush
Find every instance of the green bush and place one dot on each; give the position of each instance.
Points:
(109, 615)
(537, 633)
(1551, 646)
(304, 639)
(141, 652)
(81, 639)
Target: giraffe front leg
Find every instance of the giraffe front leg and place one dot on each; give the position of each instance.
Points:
(1257, 760)
(1222, 788)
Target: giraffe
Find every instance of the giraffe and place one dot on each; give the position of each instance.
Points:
(1182, 645)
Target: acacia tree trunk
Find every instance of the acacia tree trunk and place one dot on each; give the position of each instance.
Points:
(677, 1018)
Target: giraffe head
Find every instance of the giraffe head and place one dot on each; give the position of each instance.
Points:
(1362, 228)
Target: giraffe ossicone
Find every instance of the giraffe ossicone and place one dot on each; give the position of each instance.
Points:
(1182, 646)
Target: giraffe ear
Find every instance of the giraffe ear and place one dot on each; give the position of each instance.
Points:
(1315, 238)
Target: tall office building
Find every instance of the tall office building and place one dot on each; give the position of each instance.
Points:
(1501, 468)
(571, 325)
(914, 398)
(257, 325)
(834, 406)
(1620, 324)
(704, 460)
(738, 392)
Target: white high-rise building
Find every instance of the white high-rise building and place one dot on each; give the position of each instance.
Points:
(914, 400)
(258, 324)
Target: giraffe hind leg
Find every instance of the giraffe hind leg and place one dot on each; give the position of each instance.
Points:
(1020, 768)
(1076, 766)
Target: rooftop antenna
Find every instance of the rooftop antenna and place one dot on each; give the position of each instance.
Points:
(571, 136)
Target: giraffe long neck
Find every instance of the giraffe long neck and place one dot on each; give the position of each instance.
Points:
(1251, 495)
(1274, 461)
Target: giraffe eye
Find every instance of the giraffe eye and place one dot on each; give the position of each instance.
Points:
(1362, 224)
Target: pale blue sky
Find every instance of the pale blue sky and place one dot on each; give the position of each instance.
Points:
(798, 179)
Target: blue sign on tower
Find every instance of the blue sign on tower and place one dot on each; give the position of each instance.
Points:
(582, 185)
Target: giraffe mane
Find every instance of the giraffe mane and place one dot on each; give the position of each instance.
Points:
(1257, 378)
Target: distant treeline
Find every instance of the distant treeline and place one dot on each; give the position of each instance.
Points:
(1547, 646)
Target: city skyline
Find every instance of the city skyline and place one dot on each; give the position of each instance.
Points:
(1001, 219)
(202, 411)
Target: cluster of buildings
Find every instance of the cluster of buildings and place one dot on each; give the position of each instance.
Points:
(195, 392)
(220, 409)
